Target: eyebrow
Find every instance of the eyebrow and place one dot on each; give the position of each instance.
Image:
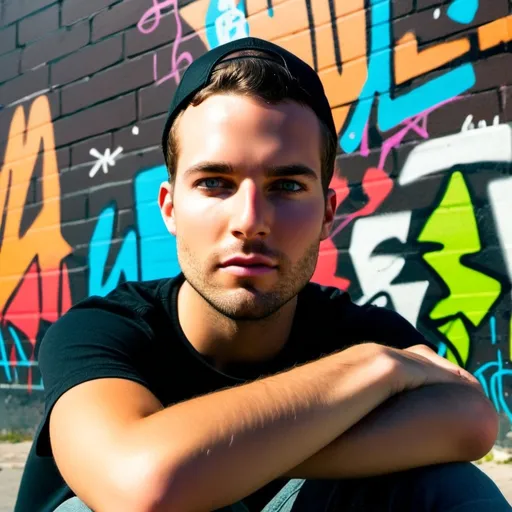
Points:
(281, 171)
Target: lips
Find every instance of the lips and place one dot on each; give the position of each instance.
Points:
(248, 266)
(248, 261)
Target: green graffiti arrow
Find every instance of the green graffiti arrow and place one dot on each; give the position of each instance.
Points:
(471, 293)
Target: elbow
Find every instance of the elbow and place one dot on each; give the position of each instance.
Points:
(481, 430)
(145, 486)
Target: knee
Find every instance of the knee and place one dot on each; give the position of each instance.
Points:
(455, 477)
(451, 471)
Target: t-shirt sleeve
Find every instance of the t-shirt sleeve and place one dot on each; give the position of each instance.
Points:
(92, 341)
(389, 328)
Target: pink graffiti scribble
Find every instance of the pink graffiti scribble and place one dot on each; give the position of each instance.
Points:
(378, 192)
(411, 124)
(153, 16)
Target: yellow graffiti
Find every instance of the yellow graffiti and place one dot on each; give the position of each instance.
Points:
(29, 141)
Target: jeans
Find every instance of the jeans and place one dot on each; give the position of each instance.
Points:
(455, 487)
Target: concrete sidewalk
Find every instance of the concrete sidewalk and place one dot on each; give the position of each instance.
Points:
(13, 456)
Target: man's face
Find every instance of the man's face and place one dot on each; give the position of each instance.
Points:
(247, 209)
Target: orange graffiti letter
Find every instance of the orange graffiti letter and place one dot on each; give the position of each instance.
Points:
(30, 144)
(410, 63)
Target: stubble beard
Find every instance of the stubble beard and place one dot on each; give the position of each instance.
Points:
(247, 303)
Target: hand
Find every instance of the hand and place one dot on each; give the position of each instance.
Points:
(419, 366)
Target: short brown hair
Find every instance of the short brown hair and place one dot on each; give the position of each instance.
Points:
(258, 74)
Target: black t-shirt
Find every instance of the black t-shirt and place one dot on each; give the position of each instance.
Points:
(134, 333)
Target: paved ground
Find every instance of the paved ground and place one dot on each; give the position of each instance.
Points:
(12, 458)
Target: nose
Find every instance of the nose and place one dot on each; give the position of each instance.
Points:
(250, 214)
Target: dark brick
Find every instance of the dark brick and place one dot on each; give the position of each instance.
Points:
(9, 65)
(124, 170)
(156, 99)
(450, 118)
(74, 207)
(87, 61)
(150, 159)
(422, 4)
(38, 25)
(74, 10)
(402, 8)
(58, 44)
(126, 77)
(137, 42)
(125, 221)
(23, 85)
(354, 166)
(114, 248)
(150, 132)
(507, 105)
(428, 29)
(78, 233)
(54, 100)
(402, 153)
(95, 120)
(75, 181)
(80, 153)
(119, 17)
(6, 115)
(63, 159)
(164, 64)
(16, 9)
(8, 39)
(121, 193)
(493, 71)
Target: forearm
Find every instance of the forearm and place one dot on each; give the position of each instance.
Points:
(216, 449)
(429, 425)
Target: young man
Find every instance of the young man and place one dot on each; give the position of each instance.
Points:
(239, 384)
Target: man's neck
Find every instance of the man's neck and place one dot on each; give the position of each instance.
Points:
(229, 341)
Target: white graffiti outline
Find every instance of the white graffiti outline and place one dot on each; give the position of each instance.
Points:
(490, 144)
(468, 123)
(104, 161)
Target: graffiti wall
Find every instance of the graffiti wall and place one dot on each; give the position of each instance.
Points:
(421, 93)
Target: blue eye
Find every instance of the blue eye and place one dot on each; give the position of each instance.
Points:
(289, 186)
(210, 183)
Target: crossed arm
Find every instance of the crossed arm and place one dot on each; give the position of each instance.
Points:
(117, 447)
(429, 425)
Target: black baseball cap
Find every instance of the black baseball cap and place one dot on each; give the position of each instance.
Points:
(198, 74)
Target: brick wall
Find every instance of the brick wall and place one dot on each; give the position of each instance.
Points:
(421, 92)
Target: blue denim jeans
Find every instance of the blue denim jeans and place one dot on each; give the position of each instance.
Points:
(456, 487)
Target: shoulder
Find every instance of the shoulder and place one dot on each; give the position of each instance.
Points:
(131, 296)
(119, 321)
(335, 310)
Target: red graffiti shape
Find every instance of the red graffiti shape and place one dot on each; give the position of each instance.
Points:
(325, 272)
(38, 297)
(377, 185)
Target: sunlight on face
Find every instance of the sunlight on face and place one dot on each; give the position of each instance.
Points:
(248, 186)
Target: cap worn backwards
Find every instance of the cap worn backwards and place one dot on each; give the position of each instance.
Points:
(198, 74)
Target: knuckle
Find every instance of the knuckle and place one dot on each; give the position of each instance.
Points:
(422, 349)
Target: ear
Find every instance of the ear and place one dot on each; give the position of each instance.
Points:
(330, 211)
(166, 204)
